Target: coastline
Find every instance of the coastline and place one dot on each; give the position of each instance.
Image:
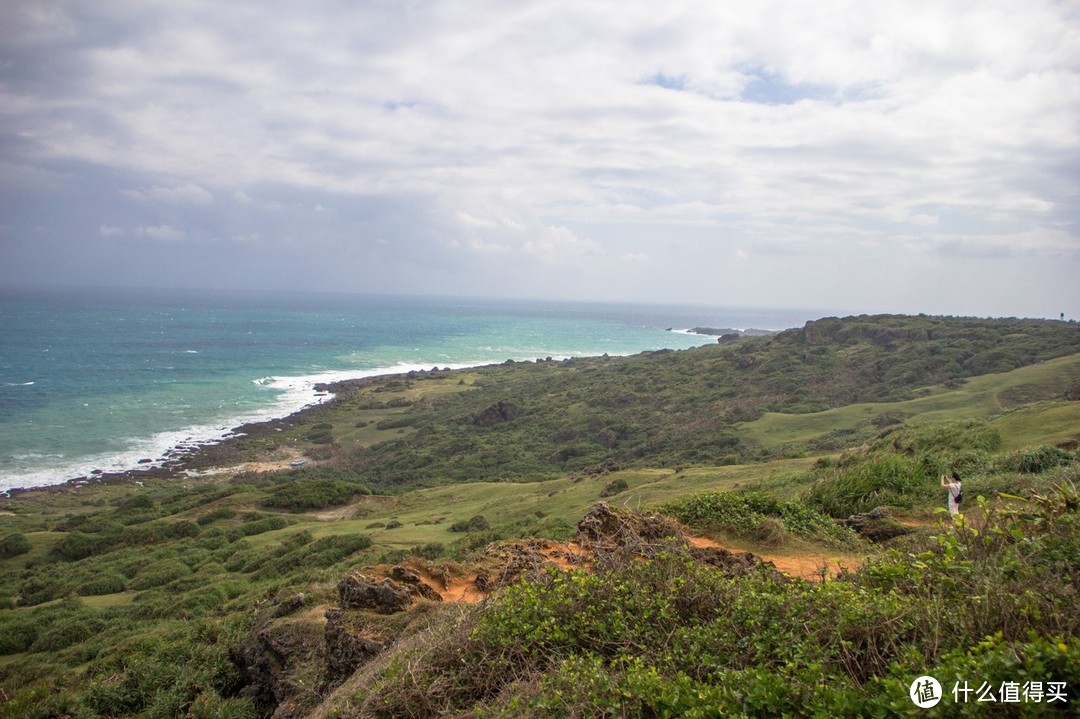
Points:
(199, 448)
(180, 461)
(184, 459)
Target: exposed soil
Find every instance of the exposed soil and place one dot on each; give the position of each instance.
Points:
(801, 566)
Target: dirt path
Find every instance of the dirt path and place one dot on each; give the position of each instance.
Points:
(809, 566)
(804, 566)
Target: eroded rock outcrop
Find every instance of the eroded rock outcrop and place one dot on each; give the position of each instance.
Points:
(346, 648)
(359, 591)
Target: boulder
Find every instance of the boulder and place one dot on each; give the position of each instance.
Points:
(358, 591)
(414, 583)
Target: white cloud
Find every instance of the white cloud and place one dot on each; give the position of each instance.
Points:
(552, 130)
(159, 232)
(188, 194)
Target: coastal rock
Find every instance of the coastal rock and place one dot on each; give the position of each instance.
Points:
(358, 591)
(346, 650)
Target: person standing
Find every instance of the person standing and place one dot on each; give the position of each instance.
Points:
(956, 492)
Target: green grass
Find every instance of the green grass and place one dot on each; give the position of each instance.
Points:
(667, 425)
(979, 397)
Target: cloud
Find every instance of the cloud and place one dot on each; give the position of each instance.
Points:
(180, 195)
(159, 232)
(553, 131)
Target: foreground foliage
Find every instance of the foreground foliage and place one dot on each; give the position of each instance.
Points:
(670, 637)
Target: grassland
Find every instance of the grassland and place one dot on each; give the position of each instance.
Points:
(150, 599)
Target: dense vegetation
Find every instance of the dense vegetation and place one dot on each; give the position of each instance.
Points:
(670, 408)
(671, 637)
(179, 597)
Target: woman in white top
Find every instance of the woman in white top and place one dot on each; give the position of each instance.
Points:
(954, 488)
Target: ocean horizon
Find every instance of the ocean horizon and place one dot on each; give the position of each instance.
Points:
(112, 380)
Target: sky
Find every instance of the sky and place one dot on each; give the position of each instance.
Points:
(890, 156)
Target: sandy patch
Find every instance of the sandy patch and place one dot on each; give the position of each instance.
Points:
(800, 565)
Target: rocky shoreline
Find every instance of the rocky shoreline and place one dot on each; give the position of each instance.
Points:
(185, 458)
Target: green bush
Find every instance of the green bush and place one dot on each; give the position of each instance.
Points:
(13, 545)
(430, 551)
(667, 636)
(1037, 459)
(105, 584)
(938, 437)
(259, 526)
(879, 480)
(65, 632)
(614, 487)
(756, 516)
(76, 545)
(159, 573)
(478, 523)
(219, 513)
(305, 494)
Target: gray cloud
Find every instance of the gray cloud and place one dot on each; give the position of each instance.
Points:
(549, 146)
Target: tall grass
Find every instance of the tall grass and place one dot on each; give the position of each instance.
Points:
(882, 480)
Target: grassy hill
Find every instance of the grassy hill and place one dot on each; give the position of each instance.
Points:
(217, 596)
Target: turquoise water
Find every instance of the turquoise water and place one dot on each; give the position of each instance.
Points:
(102, 380)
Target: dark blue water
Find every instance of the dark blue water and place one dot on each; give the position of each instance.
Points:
(99, 380)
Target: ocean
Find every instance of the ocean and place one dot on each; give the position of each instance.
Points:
(108, 379)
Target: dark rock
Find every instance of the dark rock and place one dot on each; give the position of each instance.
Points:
(875, 525)
(267, 660)
(345, 650)
(734, 564)
(604, 526)
(289, 606)
(358, 591)
(414, 584)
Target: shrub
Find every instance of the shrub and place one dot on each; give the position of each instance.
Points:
(947, 436)
(430, 551)
(1037, 459)
(106, 584)
(159, 573)
(880, 480)
(181, 529)
(614, 487)
(76, 545)
(13, 545)
(250, 529)
(219, 513)
(65, 632)
(304, 494)
(756, 516)
(477, 523)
